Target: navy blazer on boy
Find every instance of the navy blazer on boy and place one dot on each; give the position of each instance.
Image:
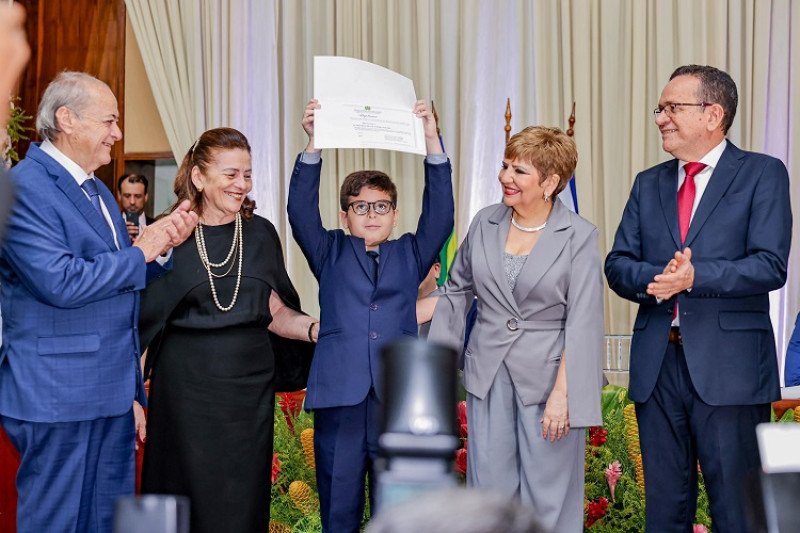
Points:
(357, 314)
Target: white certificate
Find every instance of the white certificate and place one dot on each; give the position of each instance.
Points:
(364, 106)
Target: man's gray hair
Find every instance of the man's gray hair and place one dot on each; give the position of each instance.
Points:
(68, 89)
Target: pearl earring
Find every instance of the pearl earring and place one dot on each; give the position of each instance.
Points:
(546, 197)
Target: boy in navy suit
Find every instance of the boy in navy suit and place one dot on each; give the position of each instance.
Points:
(367, 294)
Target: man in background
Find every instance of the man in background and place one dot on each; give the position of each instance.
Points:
(703, 240)
(69, 364)
(132, 197)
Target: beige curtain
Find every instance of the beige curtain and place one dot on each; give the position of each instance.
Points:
(467, 56)
(169, 37)
(611, 57)
(614, 57)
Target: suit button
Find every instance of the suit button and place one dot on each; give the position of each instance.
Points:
(373, 335)
(373, 307)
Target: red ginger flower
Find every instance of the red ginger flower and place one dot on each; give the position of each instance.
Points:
(290, 407)
(595, 511)
(597, 436)
(462, 418)
(276, 467)
(461, 460)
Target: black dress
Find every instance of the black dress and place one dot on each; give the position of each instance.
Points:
(210, 416)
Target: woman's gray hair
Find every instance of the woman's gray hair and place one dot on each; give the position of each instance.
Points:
(68, 89)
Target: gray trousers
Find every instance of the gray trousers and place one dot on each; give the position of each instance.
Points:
(507, 455)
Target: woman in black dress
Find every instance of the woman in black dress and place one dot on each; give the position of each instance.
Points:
(211, 326)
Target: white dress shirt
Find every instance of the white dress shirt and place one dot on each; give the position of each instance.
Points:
(701, 179)
(80, 176)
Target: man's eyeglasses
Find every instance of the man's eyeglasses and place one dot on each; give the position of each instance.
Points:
(672, 107)
(361, 207)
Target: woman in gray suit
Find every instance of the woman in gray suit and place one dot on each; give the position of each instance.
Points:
(533, 366)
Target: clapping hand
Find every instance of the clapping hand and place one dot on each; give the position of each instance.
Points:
(677, 276)
(167, 232)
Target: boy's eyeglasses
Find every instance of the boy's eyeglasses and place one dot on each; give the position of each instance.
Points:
(361, 207)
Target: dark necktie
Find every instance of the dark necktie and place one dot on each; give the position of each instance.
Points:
(686, 196)
(94, 195)
(373, 255)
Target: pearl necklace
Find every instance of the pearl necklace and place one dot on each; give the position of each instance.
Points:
(527, 230)
(238, 242)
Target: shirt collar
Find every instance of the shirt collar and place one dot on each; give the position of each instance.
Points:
(711, 158)
(71, 166)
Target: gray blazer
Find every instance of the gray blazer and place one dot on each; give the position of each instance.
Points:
(556, 307)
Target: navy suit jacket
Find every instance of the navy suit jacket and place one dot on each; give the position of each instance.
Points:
(69, 302)
(357, 315)
(739, 237)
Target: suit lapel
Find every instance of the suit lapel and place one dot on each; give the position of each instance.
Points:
(360, 251)
(72, 190)
(547, 249)
(668, 193)
(494, 232)
(111, 205)
(722, 177)
(75, 194)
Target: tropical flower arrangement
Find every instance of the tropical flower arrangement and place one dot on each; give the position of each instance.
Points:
(614, 483)
(15, 131)
(295, 504)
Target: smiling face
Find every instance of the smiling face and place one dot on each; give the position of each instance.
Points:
(691, 131)
(373, 228)
(88, 134)
(523, 186)
(224, 185)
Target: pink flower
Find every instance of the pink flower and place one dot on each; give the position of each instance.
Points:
(700, 528)
(613, 473)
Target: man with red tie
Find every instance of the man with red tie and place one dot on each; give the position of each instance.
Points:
(703, 240)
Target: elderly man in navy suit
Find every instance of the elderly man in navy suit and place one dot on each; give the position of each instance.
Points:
(69, 364)
(703, 240)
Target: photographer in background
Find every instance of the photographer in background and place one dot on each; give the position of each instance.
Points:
(132, 197)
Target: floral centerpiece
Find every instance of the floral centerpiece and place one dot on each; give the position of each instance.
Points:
(614, 483)
(295, 504)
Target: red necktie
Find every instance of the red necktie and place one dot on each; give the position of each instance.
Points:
(686, 197)
(685, 203)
